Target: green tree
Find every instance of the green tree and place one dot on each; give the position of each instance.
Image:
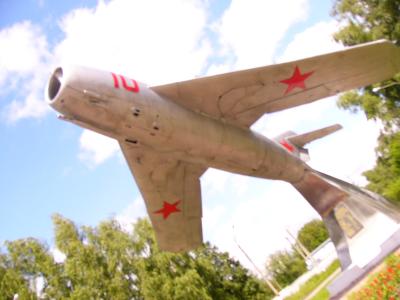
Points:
(285, 267)
(106, 262)
(313, 234)
(202, 274)
(13, 281)
(369, 20)
(101, 262)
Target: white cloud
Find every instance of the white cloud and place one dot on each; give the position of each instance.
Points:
(313, 41)
(215, 180)
(212, 217)
(251, 31)
(349, 152)
(216, 69)
(96, 148)
(32, 106)
(23, 47)
(215, 183)
(165, 44)
(131, 213)
(59, 257)
(24, 60)
(298, 119)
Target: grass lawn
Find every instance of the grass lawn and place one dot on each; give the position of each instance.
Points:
(313, 282)
(323, 294)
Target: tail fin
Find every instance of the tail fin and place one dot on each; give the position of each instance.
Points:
(295, 142)
(350, 215)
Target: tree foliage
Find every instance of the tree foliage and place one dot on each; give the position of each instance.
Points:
(105, 262)
(313, 234)
(369, 20)
(285, 267)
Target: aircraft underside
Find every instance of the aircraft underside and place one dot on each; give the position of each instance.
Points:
(171, 134)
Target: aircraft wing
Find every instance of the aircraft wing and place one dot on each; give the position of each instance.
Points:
(244, 96)
(171, 191)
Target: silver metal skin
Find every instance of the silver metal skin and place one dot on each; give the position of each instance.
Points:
(88, 96)
(171, 134)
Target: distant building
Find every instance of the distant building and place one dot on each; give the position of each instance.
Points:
(324, 253)
(320, 259)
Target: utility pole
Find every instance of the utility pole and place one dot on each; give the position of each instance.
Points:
(303, 248)
(269, 282)
(297, 248)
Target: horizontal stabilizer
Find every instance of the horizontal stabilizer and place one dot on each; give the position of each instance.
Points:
(294, 143)
(301, 139)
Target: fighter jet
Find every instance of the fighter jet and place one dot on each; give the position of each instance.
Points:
(171, 134)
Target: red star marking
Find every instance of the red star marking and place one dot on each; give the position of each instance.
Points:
(297, 80)
(168, 209)
(287, 146)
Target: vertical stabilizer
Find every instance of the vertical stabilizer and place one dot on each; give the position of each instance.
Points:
(295, 143)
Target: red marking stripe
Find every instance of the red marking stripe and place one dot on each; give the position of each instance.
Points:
(287, 146)
(115, 78)
(134, 88)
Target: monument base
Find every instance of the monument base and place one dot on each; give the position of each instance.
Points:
(355, 273)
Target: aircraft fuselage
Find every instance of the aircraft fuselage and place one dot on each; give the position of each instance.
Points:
(131, 112)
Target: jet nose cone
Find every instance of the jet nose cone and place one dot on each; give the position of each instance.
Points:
(54, 85)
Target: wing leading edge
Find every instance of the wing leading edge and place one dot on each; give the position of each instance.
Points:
(172, 193)
(244, 96)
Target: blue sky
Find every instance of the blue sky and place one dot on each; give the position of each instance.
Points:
(49, 166)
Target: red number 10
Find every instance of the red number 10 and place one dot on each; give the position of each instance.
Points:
(134, 88)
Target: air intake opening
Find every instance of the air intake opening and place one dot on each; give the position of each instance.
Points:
(55, 83)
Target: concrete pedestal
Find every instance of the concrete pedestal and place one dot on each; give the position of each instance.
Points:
(357, 271)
